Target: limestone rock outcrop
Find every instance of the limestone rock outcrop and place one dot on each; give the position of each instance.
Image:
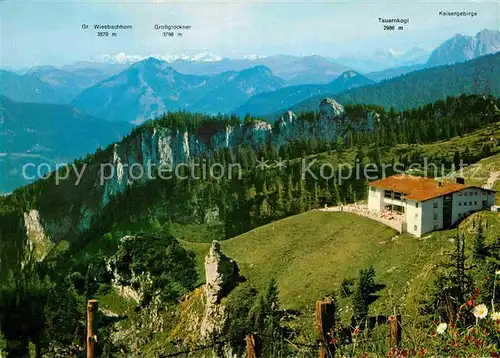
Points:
(126, 282)
(38, 241)
(222, 275)
(329, 109)
(153, 147)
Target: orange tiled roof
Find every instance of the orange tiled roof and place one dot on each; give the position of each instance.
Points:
(419, 188)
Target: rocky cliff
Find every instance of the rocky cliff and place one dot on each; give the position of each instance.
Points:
(462, 48)
(153, 147)
(198, 320)
(136, 159)
(38, 242)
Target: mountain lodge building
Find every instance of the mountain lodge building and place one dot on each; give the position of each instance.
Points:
(423, 204)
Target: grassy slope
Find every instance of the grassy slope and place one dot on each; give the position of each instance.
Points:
(297, 241)
(480, 172)
(310, 254)
(473, 141)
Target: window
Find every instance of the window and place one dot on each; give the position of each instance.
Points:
(435, 216)
(397, 196)
(476, 193)
(416, 205)
(388, 194)
(416, 216)
(459, 203)
(475, 203)
(414, 227)
(459, 193)
(470, 203)
(435, 205)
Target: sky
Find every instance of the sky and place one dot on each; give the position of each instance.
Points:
(50, 32)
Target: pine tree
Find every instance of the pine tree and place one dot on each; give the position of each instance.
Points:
(335, 195)
(327, 196)
(454, 284)
(363, 195)
(302, 202)
(266, 317)
(361, 298)
(359, 305)
(264, 210)
(317, 196)
(378, 158)
(280, 199)
(479, 243)
(289, 195)
(351, 194)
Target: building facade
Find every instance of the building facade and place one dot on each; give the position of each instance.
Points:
(426, 204)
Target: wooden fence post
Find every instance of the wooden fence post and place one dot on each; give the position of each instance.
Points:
(325, 321)
(253, 346)
(394, 330)
(91, 332)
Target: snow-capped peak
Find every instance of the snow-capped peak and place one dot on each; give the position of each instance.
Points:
(254, 57)
(123, 58)
(120, 58)
(396, 53)
(349, 74)
(205, 57)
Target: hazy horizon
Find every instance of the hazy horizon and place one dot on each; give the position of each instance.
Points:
(50, 33)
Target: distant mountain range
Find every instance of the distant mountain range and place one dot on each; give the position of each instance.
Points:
(27, 88)
(382, 60)
(235, 89)
(36, 127)
(414, 89)
(48, 84)
(460, 48)
(151, 87)
(267, 102)
(48, 133)
(62, 85)
(293, 69)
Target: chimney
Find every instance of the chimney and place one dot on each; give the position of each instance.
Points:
(460, 180)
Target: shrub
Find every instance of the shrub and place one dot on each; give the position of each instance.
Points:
(346, 287)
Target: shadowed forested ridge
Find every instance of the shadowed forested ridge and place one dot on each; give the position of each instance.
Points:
(481, 75)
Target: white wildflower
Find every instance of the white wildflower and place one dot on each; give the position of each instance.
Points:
(480, 311)
(497, 272)
(495, 316)
(441, 328)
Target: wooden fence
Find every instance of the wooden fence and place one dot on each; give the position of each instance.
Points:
(324, 321)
